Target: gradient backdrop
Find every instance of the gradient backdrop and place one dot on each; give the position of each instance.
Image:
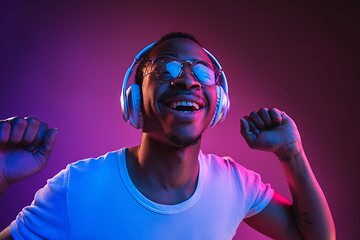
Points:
(63, 62)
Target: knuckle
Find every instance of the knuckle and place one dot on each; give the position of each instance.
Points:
(33, 124)
(253, 113)
(44, 125)
(18, 121)
(4, 125)
(263, 110)
(273, 109)
(32, 120)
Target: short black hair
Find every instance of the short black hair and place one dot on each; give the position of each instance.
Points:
(146, 56)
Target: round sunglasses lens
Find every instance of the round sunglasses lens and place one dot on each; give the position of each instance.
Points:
(173, 68)
(204, 73)
(166, 68)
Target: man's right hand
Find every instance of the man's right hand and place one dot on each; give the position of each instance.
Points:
(25, 146)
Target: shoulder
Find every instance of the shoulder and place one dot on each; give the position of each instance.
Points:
(103, 162)
(216, 161)
(226, 163)
(225, 168)
(89, 171)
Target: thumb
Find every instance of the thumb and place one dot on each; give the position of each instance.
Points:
(47, 145)
(245, 131)
(244, 127)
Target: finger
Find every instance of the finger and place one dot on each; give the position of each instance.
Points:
(31, 131)
(275, 115)
(5, 128)
(244, 127)
(18, 126)
(252, 126)
(47, 146)
(39, 137)
(259, 123)
(264, 115)
(246, 132)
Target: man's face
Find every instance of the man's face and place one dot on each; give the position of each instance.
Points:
(176, 112)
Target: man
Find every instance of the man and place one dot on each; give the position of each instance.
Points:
(166, 188)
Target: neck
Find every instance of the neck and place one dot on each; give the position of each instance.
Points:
(163, 173)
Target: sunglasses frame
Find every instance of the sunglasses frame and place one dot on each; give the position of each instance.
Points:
(192, 63)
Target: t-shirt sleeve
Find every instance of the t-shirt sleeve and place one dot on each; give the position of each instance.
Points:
(261, 194)
(256, 194)
(47, 217)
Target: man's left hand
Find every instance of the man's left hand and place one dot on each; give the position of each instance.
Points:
(270, 130)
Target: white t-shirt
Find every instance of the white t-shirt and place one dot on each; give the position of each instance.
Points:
(96, 199)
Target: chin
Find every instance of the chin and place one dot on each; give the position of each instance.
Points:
(183, 142)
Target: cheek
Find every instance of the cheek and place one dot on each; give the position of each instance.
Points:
(147, 99)
(150, 94)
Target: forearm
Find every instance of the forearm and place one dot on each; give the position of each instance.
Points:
(310, 207)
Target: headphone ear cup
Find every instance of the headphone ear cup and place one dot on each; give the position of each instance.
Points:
(222, 107)
(133, 98)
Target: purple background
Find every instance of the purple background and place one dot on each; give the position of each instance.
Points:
(63, 62)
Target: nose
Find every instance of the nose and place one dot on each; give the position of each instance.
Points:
(186, 80)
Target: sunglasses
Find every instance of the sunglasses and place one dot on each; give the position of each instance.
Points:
(167, 68)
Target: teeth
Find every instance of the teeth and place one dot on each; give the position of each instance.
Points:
(184, 104)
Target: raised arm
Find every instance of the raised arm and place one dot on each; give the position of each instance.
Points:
(25, 146)
(308, 216)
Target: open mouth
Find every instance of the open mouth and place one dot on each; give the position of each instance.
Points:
(184, 106)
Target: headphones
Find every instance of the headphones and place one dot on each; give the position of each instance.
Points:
(130, 98)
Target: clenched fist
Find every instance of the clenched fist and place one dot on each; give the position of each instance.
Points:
(25, 146)
(270, 130)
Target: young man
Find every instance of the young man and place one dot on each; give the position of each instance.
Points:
(166, 188)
